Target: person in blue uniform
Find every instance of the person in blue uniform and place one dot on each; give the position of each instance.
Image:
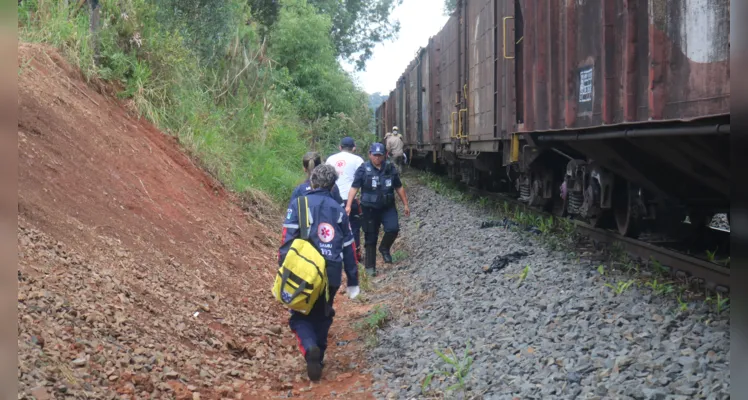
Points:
(378, 181)
(312, 159)
(330, 233)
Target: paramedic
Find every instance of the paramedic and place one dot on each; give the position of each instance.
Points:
(330, 234)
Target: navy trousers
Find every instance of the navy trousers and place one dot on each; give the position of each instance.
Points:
(373, 217)
(355, 219)
(312, 329)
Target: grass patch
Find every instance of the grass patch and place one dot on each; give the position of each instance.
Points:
(457, 369)
(620, 287)
(521, 276)
(660, 288)
(441, 186)
(364, 280)
(399, 255)
(376, 320)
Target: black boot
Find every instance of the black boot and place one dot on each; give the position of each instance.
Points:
(384, 247)
(371, 260)
(313, 364)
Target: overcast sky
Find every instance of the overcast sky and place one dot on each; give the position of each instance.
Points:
(419, 20)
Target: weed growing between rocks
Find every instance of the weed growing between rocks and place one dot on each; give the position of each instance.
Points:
(457, 370)
(399, 255)
(364, 281)
(374, 322)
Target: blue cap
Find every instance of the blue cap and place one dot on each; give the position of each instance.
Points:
(347, 142)
(376, 148)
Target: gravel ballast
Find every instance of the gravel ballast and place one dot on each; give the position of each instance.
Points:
(558, 333)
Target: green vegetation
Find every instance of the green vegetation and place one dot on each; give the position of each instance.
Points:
(620, 286)
(376, 320)
(521, 276)
(661, 287)
(682, 305)
(720, 303)
(460, 367)
(710, 255)
(442, 186)
(247, 86)
(399, 255)
(449, 7)
(364, 280)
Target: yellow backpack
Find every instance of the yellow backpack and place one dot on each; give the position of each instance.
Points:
(303, 276)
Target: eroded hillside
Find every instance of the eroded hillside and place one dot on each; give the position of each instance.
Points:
(138, 273)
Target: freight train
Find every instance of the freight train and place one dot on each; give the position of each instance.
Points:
(615, 112)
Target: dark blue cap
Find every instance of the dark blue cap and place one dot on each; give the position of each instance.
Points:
(376, 148)
(347, 142)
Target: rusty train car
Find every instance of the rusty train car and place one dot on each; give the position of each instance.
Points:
(612, 111)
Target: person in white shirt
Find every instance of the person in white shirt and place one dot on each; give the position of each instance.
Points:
(346, 163)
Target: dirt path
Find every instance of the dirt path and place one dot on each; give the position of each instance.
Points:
(139, 275)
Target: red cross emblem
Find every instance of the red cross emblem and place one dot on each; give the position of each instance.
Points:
(340, 163)
(325, 232)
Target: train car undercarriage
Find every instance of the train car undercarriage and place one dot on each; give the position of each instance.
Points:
(629, 180)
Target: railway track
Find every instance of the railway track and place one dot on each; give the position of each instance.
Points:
(683, 267)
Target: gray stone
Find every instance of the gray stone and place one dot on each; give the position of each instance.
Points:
(554, 336)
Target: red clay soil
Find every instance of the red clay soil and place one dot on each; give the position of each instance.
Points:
(140, 276)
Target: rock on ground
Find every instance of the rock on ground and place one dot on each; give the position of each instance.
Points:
(560, 333)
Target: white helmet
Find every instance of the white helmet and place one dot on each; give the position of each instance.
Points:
(394, 128)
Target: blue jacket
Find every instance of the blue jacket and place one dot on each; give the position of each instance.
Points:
(306, 187)
(377, 185)
(330, 233)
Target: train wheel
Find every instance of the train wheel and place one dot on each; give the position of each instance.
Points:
(625, 209)
(594, 215)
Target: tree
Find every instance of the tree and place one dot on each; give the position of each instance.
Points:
(265, 11)
(358, 25)
(449, 7)
(300, 44)
(376, 99)
(206, 25)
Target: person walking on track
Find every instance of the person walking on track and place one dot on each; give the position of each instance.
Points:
(394, 142)
(330, 234)
(346, 163)
(378, 181)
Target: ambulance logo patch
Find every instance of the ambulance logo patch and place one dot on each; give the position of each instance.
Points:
(325, 232)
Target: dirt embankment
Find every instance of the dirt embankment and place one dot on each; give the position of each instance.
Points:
(138, 273)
